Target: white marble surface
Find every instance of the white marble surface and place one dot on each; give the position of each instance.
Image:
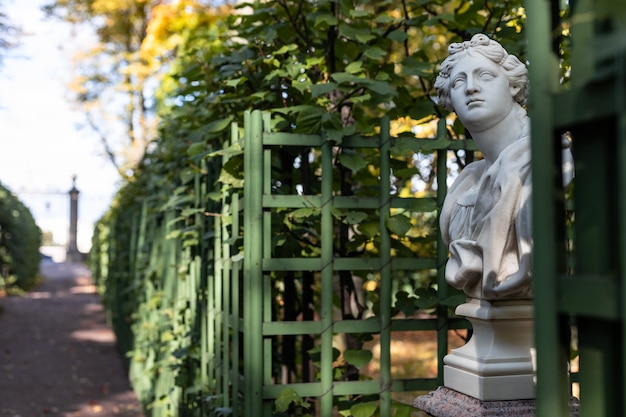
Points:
(486, 217)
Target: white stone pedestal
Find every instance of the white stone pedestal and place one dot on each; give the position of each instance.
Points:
(498, 361)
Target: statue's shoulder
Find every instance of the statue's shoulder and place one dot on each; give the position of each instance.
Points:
(464, 187)
(471, 173)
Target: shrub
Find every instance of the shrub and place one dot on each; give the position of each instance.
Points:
(20, 239)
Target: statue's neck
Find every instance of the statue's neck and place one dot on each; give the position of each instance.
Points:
(494, 140)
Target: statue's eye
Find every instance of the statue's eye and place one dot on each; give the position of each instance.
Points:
(487, 75)
(457, 82)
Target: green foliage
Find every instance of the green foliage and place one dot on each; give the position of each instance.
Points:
(20, 239)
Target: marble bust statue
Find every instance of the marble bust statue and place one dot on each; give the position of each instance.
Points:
(486, 216)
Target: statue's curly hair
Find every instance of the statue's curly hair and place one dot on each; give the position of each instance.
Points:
(514, 69)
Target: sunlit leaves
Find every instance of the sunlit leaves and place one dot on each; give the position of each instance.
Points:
(136, 40)
(232, 173)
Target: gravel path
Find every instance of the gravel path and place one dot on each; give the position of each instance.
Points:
(57, 355)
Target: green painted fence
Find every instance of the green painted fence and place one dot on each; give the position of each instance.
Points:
(216, 320)
(585, 293)
(262, 385)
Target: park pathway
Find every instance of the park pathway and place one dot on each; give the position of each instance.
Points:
(58, 357)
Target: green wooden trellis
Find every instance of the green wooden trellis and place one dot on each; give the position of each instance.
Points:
(211, 297)
(258, 389)
(593, 109)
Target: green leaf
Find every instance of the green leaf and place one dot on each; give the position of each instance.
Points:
(177, 199)
(404, 146)
(344, 77)
(369, 229)
(303, 213)
(375, 53)
(385, 19)
(358, 358)
(464, 8)
(316, 354)
(354, 162)
(197, 148)
(437, 19)
(359, 13)
(230, 179)
(236, 81)
(405, 303)
(187, 175)
(302, 83)
(381, 87)
(286, 397)
(315, 60)
(309, 120)
(320, 89)
(326, 19)
(355, 34)
(355, 217)
(363, 98)
(218, 125)
(454, 300)
(190, 211)
(398, 36)
(286, 48)
(364, 409)
(421, 109)
(354, 67)
(232, 150)
(402, 410)
(426, 298)
(180, 353)
(377, 86)
(232, 172)
(167, 336)
(399, 224)
(334, 134)
(417, 67)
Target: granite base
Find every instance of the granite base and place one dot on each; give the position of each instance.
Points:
(445, 402)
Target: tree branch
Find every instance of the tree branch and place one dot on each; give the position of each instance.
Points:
(105, 144)
(294, 21)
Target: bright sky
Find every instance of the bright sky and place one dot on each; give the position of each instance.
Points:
(41, 143)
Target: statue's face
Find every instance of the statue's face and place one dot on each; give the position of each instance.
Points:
(480, 92)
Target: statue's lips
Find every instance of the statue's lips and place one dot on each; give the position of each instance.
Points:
(473, 101)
